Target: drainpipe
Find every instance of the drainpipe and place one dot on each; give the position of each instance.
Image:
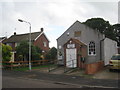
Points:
(101, 48)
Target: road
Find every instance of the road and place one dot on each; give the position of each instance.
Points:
(16, 79)
(10, 82)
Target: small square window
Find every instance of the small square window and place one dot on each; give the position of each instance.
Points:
(77, 33)
(60, 47)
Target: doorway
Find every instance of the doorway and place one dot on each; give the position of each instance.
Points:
(71, 58)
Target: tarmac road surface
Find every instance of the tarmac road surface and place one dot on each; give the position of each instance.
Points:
(17, 79)
(10, 82)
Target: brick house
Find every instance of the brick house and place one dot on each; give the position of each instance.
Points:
(81, 46)
(37, 38)
(2, 39)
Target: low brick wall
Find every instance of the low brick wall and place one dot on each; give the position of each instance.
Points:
(94, 67)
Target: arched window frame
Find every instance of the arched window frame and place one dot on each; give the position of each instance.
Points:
(92, 48)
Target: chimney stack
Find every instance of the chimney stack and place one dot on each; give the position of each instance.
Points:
(14, 33)
(42, 29)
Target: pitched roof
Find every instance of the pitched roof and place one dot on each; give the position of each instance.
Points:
(22, 37)
(2, 38)
(81, 24)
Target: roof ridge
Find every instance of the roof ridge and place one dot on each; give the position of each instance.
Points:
(27, 33)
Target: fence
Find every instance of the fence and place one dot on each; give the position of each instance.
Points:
(52, 65)
(11, 65)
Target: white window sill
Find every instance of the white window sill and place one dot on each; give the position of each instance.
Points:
(91, 55)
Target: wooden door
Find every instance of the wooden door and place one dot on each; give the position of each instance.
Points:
(71, 58)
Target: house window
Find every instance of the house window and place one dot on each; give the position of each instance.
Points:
(45, 44)
(10, 44)
(92, 48)
(15, 44)
(77, 33)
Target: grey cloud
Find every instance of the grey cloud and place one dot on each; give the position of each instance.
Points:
(52, 14)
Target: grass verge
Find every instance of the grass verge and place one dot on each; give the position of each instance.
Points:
(33, 67)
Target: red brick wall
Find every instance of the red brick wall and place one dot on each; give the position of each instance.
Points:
(39, 43)
(94, 67)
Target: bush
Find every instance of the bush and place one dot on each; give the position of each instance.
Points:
(6, 54)
(52, 54)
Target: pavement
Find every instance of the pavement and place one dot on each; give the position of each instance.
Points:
(64, 79)
(106, 74)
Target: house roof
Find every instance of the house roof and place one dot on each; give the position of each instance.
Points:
(2, 38)
(81, 24)
(22, 37)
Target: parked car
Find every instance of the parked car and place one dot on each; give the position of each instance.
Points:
(114, 62)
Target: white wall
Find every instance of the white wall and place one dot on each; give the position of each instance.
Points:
(110, 48)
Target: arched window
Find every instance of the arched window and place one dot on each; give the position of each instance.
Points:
(92, 48)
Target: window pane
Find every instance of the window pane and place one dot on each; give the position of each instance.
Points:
(91, 48)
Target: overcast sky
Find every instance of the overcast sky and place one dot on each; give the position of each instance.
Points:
(55, 16)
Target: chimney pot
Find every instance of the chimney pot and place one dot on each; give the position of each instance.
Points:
(14, 33)
(41, 29)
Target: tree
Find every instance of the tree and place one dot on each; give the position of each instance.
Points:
(52, 54)
(102, 26)
(23, 51)
(116, 28)
(6, 52)
(36, 53)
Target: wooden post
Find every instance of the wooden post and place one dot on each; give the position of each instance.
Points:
(11, 63)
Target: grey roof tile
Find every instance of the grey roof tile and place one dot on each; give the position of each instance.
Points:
(22, 37)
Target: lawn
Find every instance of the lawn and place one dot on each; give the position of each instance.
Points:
(27, 68)
(33, 67)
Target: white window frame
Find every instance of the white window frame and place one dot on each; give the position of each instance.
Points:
(16, 44)
(45, 44)
(92, 48)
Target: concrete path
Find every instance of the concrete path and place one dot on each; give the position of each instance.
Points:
(106, 74)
